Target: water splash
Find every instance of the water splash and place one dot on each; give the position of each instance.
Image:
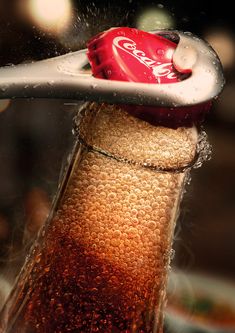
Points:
(204, 150)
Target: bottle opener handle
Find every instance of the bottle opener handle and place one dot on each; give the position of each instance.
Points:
(65, 77)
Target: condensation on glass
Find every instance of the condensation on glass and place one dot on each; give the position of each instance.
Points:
(100, 263)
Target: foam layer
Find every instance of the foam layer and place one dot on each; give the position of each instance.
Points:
(115, 131)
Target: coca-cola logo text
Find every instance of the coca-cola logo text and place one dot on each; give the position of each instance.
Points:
(159, 69)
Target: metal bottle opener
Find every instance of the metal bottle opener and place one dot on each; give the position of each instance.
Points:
(64, 77)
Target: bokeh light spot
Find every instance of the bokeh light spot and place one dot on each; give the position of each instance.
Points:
(223, 43)
(155, 18)
(4, 103)
(53, 15)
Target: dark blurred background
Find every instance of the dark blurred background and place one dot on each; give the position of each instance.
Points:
(36, 136)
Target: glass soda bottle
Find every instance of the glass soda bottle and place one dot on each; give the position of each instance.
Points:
(101, 261)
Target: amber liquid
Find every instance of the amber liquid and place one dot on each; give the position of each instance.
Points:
(95, 277)
(76, 292)
(101, 262)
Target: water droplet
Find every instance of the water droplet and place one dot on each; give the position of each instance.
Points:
(160, 52)
(172, 254)
(188, 33)
(204, 150)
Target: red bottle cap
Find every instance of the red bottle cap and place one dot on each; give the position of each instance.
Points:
(128, 54)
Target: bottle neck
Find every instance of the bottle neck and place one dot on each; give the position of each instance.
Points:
(113, 132)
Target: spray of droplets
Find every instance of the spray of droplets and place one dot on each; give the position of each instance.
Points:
(204, 150)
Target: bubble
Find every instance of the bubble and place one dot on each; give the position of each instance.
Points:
(117, 233)
(151, 225)
(111, 196)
